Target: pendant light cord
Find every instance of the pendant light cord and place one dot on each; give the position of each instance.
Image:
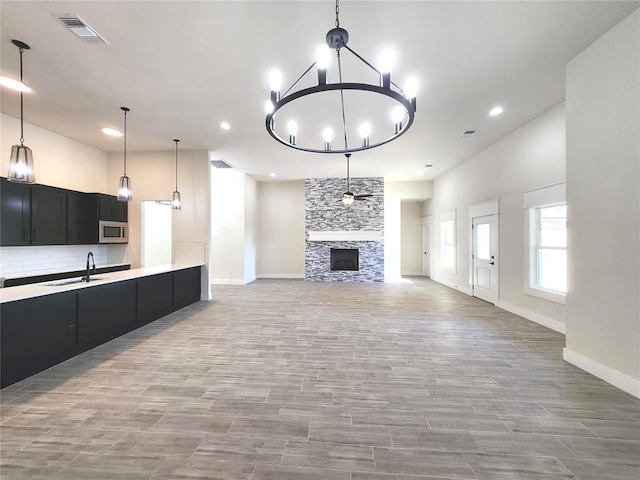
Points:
(337, 13)
(176, 163)
(125, 110)
(348, 186)
(21, 104)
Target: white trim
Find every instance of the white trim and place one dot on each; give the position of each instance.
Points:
(543, 320)
(281, 275)
(411, 274)
(614, 377)
(428, 220)
(549, 195)
(227, 281)
(346, 236)
(484, 209)
(453, 285)
(545, 294)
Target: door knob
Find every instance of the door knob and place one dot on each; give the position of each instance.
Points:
(492, 263)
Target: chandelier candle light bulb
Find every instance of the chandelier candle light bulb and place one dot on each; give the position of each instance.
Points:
(397, 115)
(327, 136)
(365, 132)
(293, 131)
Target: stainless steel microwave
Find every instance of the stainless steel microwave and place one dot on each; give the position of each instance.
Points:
(113, 232)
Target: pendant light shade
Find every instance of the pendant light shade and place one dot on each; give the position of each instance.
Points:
(124, 187)
(175, 202)
(21, 161)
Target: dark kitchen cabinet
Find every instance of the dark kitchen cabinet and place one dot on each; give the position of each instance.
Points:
(35, 334)
(186, 287)
(15, 213)
(105, 312)
(48, 215)
(155, 297)
(109, 208)
(77, 219)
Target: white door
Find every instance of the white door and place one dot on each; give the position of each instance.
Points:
(426, 250)
(156, 233)
(485, 253)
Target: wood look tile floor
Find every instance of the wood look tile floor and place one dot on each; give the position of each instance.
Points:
(283, 379)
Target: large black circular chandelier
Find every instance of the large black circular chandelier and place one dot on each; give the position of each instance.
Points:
(354, 99)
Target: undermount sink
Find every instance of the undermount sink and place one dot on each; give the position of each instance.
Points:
(70, 281)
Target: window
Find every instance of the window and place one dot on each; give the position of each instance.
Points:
(448, 240)
(547, 239)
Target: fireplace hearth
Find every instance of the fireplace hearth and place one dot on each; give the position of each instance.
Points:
(345, 259)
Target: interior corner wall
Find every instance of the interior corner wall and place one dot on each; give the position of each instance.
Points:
(411, 238)
(280, 211)
(58, 161)
(250, 228)
(394, 193)
(153, 178)
(227, 226)
(532, 156)
(603, 197)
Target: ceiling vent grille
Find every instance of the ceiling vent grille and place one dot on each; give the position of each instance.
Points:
(467, 133)
(220, 164)
(80, 29)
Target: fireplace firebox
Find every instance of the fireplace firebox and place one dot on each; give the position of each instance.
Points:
(345, 259)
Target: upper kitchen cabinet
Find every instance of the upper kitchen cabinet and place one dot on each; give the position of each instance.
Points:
(15, 213)
(48, 215)
(78, 218)
(109, 208)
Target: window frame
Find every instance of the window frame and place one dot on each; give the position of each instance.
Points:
(447, 217)
(534, 200)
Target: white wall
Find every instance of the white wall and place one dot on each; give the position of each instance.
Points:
(532, 156)
(394, 193)
(411, 238)
(233, 226)
(250, 228)
(603, 197)
(281, 229)
(58, 161)
(156, 234)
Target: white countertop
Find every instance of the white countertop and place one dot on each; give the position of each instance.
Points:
(53, 271)
(21, 292)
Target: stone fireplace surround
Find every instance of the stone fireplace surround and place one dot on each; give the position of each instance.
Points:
(329, 224)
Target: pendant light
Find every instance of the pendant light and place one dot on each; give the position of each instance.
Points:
(175, 203)
(21, 162)
(124, 187)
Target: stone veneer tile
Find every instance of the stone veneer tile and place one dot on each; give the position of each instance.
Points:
(324, 211)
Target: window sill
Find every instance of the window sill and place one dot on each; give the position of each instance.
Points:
(546, 295)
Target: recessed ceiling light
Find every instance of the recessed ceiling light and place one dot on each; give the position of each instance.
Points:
(273, 175)
(112, 131)
(225, 126)
(495, 111)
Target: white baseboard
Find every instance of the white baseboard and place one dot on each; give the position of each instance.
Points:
(281, 275)
(614, 377)
(411, 274)
(548, 322)
(227, 281)
(455, 286)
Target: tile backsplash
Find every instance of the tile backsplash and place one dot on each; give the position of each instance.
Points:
(35, 258)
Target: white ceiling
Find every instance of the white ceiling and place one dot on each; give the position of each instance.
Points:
(185, 66)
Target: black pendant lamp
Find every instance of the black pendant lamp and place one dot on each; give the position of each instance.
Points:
(175, 202)
(124, 187)
(21, 162)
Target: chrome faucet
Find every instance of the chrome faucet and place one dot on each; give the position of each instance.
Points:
(90, 269)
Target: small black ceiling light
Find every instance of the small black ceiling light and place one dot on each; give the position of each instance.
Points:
(21, 161)
(124, 187)
(336, 39)
(175, 202)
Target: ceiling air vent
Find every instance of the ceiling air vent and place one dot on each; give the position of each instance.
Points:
(467, 133)
(80, 29)
(220, 164)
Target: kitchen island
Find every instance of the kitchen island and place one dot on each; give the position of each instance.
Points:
(43, 324)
